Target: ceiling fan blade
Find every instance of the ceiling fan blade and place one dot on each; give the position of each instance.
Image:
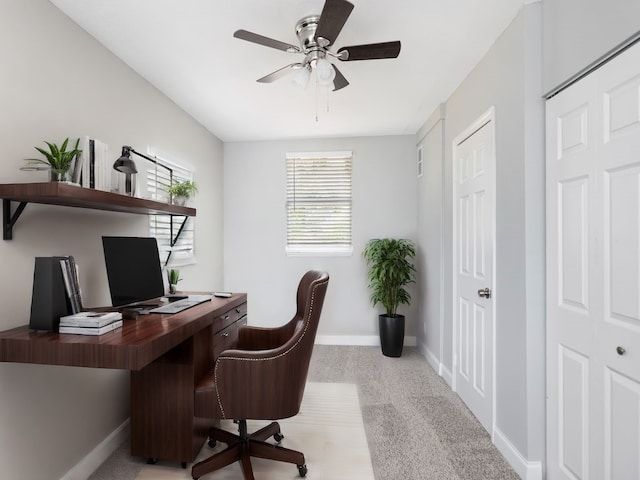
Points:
(333, 17)
(339, 81)
(273, 76)
(266, 41)
(370, 51)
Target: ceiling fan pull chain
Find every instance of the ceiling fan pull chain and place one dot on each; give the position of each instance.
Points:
(316, 99)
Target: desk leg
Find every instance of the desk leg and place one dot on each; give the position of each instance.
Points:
(162, 422)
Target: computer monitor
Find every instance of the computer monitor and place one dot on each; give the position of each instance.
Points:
(133, 269)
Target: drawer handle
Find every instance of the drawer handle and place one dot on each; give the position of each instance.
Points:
(237, 310)
(226, 317)
(225, 334)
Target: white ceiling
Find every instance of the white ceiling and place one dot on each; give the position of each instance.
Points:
(187, 50)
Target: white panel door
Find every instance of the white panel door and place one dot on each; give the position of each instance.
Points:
(593, 275)
(474, 218)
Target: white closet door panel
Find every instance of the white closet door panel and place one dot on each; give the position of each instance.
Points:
(622, 427)
(622, 245)
(573, 413)
(573, 246)
(593, 275)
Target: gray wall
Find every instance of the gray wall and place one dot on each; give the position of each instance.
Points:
(430, 234)
(508, 77)
(59, 82)
(384, 205)
(578, 32)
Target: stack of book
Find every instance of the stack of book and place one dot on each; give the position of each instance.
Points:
(71, 284)
(93, 167)
(90, 323)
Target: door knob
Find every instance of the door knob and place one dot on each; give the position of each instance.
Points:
(620, 350)
(484, 292)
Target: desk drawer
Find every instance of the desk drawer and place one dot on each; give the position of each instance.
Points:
(227, 337)
(230, 317)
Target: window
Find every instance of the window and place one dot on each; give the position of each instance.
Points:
(319, 203)
(165, 228)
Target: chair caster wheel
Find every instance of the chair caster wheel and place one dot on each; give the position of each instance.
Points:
(152, 461)
(278, 437)
(211, 442)
(184, 464)
(302, 470)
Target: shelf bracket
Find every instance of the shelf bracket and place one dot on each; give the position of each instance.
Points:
(8, 221)
(174, 240)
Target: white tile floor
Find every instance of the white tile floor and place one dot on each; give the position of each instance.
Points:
(328, 430)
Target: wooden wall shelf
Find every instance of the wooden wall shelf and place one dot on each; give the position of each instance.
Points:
(64, 194)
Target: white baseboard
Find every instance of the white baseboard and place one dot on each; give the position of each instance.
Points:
(526, 469)
(436, 364)
(85, 467)
(360, 340)
(446, 375)
(430, 356)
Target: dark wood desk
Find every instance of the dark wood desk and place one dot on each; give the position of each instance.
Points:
(167, 355)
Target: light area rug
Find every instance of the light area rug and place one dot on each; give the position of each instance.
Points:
(329, 431)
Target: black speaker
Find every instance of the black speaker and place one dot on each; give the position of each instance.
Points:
(49, 299)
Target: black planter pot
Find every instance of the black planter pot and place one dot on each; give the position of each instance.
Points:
(391, 335)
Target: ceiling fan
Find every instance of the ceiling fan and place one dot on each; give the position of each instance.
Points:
(316, 34)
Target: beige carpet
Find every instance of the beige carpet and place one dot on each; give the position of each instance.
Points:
(328, 430)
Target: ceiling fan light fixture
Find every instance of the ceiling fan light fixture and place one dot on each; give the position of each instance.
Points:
(301, 77)
(324, 72)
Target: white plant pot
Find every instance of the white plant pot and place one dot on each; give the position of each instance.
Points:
(180, 201)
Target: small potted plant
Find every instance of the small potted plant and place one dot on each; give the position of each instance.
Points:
(391, 268)
(173, 276)
(181, 191)
(58, 159)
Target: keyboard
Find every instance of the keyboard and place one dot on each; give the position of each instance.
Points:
(180, 305)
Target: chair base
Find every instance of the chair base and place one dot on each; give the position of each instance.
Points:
(240, 448)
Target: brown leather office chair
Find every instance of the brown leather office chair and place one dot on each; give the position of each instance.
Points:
(263, 378)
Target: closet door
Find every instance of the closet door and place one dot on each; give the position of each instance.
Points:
(593, 275)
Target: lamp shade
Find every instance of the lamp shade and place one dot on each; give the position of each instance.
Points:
(301, 77)
(325, 72)
(125, 164)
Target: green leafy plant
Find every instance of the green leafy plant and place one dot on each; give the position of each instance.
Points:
(183, 189)
(58, 158)
(391, 268)
(173, 276)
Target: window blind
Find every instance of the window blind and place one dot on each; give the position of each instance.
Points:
(319, 202)
(165, 228)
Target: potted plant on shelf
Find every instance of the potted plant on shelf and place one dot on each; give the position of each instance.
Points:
(58, 159)
(391, 268)
(181, 191)
(173, 276)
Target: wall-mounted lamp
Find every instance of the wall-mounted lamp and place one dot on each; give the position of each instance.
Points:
(126, 165)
